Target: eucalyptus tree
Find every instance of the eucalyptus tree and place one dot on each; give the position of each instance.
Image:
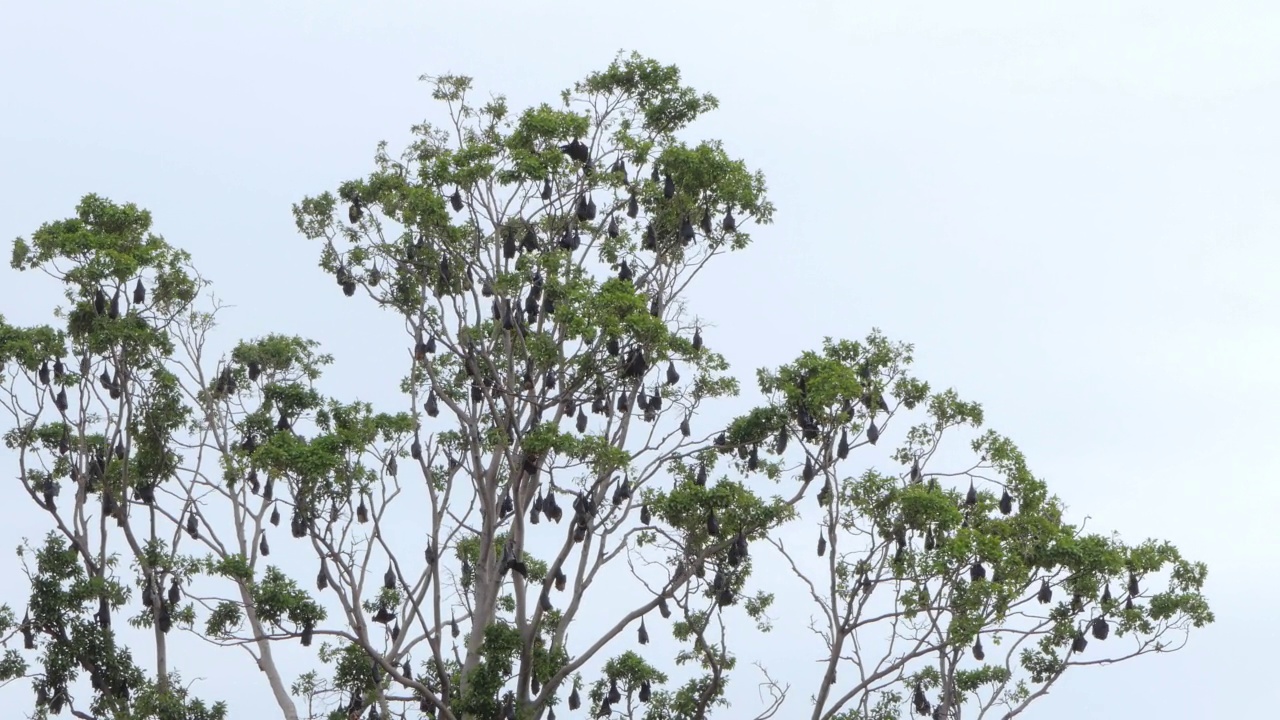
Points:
(949, 586)
(552, 520)
(95, 406)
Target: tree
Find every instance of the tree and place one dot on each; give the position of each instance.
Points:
(550, 449)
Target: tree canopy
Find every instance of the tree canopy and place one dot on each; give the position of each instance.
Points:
(548, 524)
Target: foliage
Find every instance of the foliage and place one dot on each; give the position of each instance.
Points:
(546, 445)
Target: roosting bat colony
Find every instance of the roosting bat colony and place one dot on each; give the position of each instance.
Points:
(540, 264)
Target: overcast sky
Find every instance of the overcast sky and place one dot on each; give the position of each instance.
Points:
(1071, 208)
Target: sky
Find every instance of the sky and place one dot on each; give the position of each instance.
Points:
(1070, 208)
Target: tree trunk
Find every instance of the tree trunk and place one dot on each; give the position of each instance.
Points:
(265, 662)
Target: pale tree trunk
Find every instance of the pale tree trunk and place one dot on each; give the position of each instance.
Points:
(266, 663)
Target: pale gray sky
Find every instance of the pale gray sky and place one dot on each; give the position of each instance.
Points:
(1071, 208)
